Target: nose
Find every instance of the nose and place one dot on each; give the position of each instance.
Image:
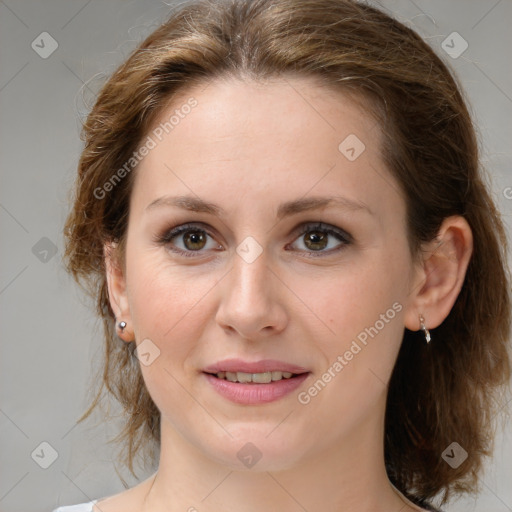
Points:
(252, 298)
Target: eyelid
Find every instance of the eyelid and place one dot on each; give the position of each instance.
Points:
(305, 227)
(168, 234)
(341, 235)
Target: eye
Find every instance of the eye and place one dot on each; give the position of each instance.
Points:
(315, 238)
(193, 239)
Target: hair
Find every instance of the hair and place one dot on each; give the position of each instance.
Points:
(439, 393)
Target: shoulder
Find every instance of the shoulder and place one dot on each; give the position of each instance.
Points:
(81, 507)
(426, 507)
(122, 501)
(129, 500)
(126, 501)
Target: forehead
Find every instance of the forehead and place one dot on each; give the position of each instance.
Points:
(288, 105)
(285, 135)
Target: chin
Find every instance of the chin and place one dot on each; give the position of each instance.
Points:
(256, 450)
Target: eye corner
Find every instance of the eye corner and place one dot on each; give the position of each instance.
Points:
(340, 234)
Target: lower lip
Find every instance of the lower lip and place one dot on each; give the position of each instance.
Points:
(249, 394)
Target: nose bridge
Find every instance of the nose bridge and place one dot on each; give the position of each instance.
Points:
(249, 302)
(249, 281)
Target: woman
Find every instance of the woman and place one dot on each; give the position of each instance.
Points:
(300, 271)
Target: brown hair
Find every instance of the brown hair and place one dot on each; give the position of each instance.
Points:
(438, 393)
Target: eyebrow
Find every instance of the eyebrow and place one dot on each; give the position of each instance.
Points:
(195, 204)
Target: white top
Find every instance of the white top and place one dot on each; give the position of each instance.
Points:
(81, 507)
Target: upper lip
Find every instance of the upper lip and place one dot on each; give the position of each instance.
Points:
(265, 365)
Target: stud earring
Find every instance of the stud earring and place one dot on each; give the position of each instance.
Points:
(121, 325)
(424, 329)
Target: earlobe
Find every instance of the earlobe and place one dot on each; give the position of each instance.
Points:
(117, 292)
(440, 277)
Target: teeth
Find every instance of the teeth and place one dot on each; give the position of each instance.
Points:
(259, 378)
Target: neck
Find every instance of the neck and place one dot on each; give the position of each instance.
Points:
(348, 477)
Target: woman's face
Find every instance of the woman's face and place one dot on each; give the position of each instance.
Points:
(269, 276)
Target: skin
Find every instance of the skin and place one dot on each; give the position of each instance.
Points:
(249, 156)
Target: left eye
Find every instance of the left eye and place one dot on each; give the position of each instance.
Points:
(315, 238)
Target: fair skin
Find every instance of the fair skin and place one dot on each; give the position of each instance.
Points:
(248, 148)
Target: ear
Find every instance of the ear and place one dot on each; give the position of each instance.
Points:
(117, 291)
(440, 274)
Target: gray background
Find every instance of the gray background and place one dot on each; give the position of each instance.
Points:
(50, 338)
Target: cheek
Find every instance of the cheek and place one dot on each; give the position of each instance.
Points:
(166, 309)
(169, 305)
(361, 311)
(353, 297)
(160, 294)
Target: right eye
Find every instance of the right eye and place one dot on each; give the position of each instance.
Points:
(193, 239)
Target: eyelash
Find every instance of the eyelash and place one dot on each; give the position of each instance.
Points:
(342, 236)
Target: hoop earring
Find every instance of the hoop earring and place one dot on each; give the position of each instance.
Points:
(424, 329)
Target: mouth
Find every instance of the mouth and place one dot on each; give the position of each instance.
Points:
(254, 378)
(252, 383)
(258, 372)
